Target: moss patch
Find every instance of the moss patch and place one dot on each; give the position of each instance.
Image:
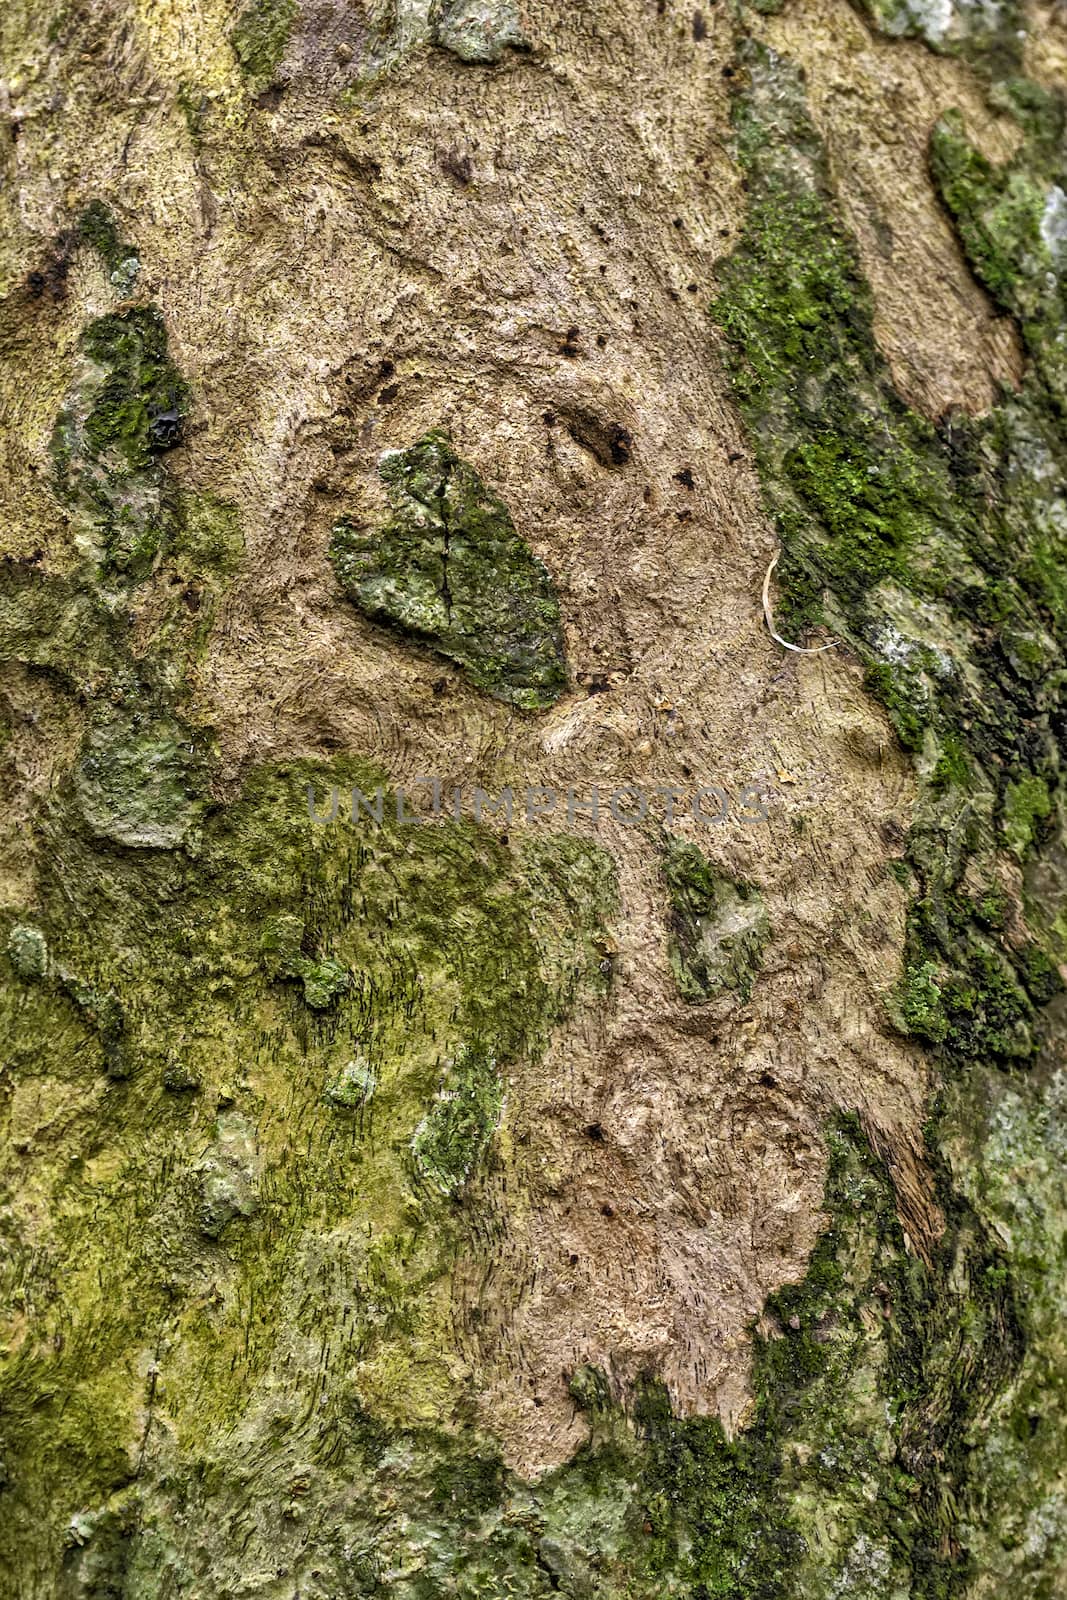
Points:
(97, 227)
(449, 569)
(260, 36)
(126, 410)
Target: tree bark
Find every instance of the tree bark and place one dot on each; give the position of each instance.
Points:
(532, 1042)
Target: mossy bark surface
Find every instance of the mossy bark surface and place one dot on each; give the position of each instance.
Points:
(512, 1083)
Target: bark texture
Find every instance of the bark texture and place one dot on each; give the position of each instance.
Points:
(611, 1199)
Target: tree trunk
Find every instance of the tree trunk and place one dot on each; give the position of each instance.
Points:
(532, 1042)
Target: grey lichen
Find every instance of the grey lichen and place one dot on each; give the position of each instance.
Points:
(448, 568)
(478, 31)
(985, 31)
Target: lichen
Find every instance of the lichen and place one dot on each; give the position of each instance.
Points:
(259, 38)
(455, 1133)
(717, 929)
(448, 569)
(986, 32)
(478, 31)
(349, 1136)
(125, 411)
(936, 553)
(141, 777)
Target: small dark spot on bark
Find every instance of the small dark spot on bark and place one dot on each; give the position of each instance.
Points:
(727, 72)
(388, 394)
(271, 98)
(569, 347)
(678, 223)
(548, 418)
(607, 1210)
(684, 516)
(595, 1132)
(700, 27)
(192, 597)
(50, 279)
(166, 428)
(685, 478)
(457, 164)
(735, 455)
(609, 442)
(768, 1080)
(691, 288)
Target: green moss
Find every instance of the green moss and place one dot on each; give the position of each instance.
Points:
(455, 1133)
(126, 410)
(1026, 804)
(1012, 222)
(260, 35)
(97, 227)
(937, 554)
(448, 569)
(717, 929)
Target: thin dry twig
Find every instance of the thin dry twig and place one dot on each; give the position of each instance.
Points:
(768, 617)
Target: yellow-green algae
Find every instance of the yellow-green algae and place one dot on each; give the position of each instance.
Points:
(227, 1232)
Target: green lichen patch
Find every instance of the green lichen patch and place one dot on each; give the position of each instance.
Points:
(455, 1133)
(326, 1203)
(448, 569)
(97, 227)
(208, 540)
(987, 32)
(717, 930)
(125, 411)
(27, 950)
(141, 777)
(259, 38)
(1012, 222)
(353, 1086)
(323, 979)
